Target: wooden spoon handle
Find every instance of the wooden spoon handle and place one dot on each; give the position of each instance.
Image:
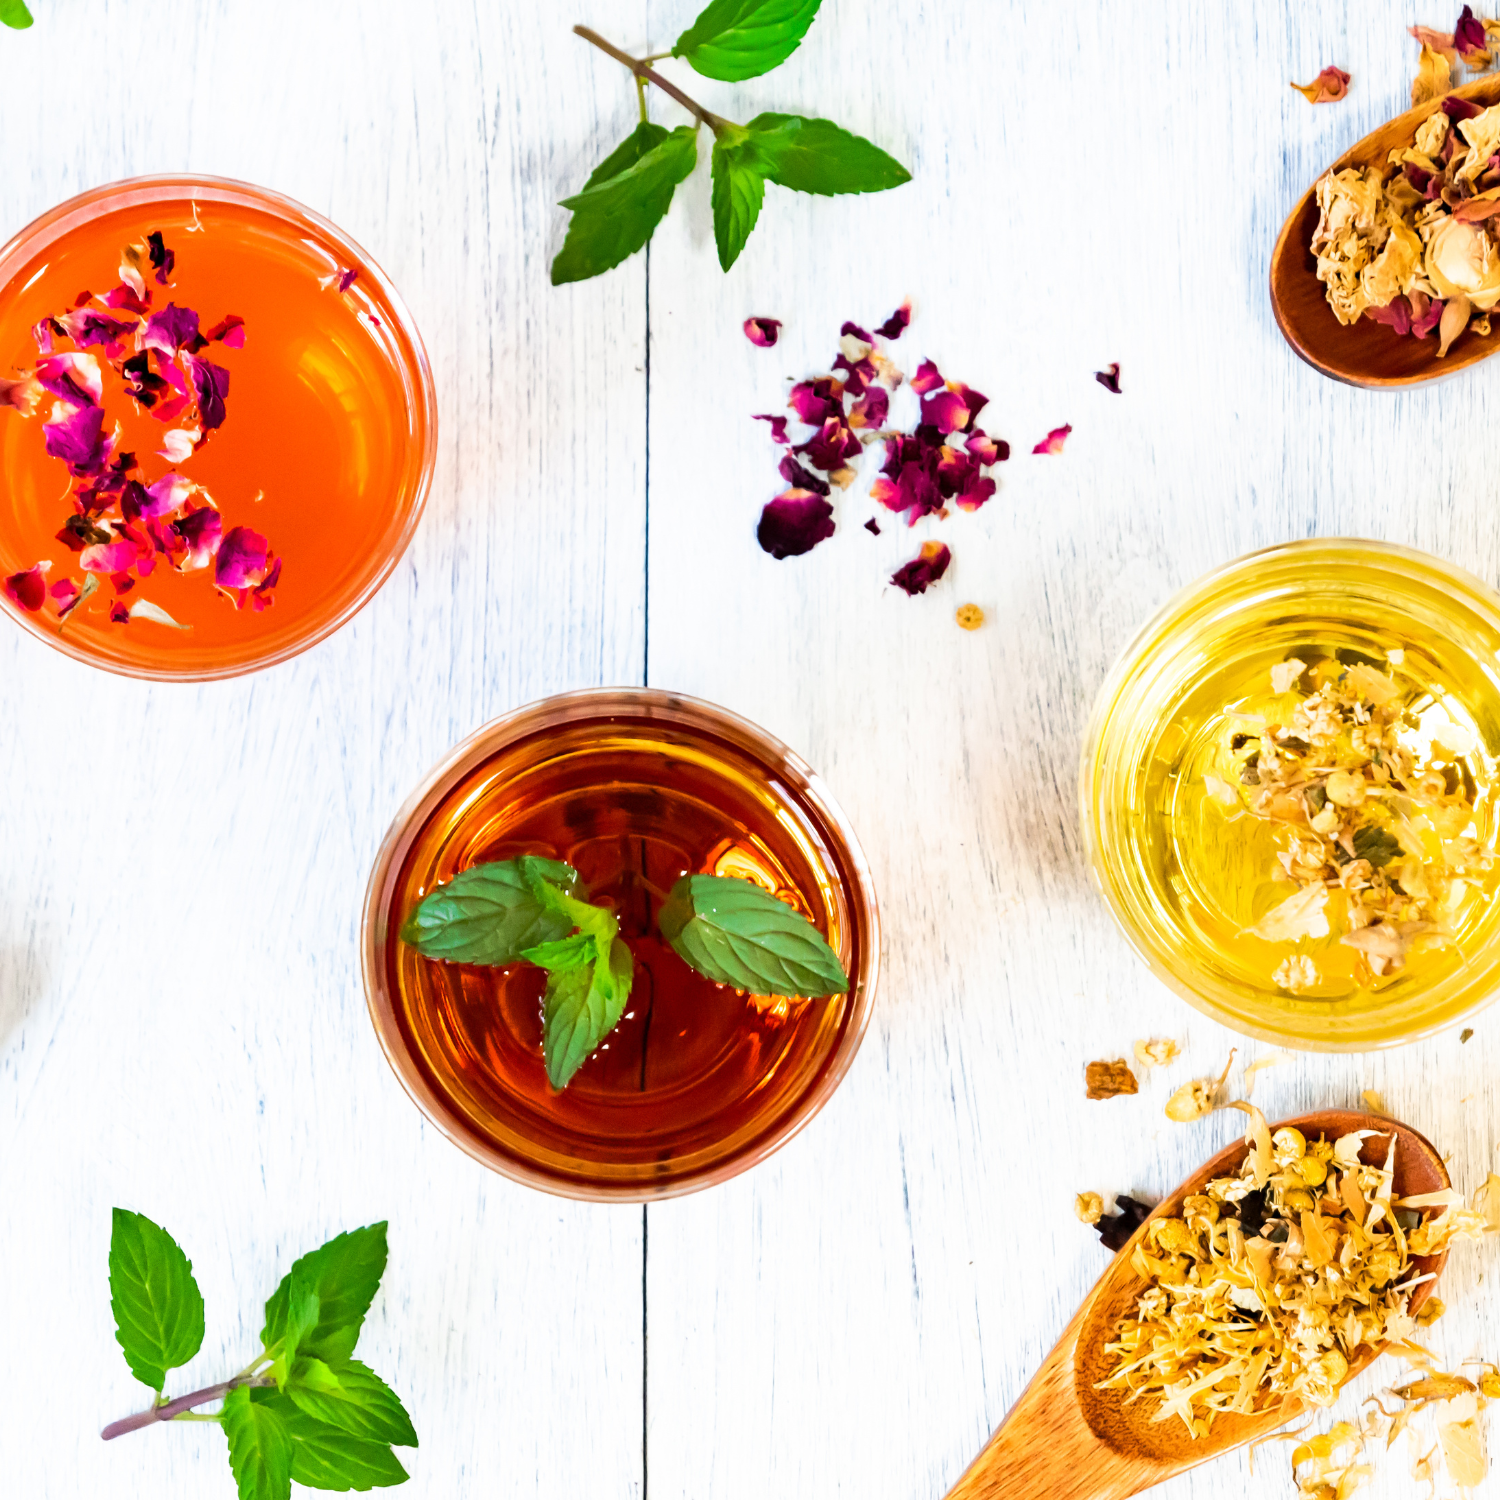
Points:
(1045, 1450)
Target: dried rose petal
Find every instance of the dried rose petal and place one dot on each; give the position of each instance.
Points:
(763, 332)
(141, 382)
(1396, 314)
(977, 489)
(923, 570)
(162, 259)
(28, 589)
(76, 437)
(1109, 378)
(986, 449)
(178, 444)
(201, 531)
(119, 613)
(124, 296)
(168, 494)
(260, 595)
(347, 279)
(945, 410)
(65, 594)
(794, 523)
(800, 478)
(1053, 442)
(829, 447)
(24, 394)
(871, 410)
(898, 322)
(1459, 109)
(1439, 41)
(1330, 85)
(927, 378)
(873, 526)
(171, 329)
(1424, 319)
(242, 559)
(1470, 40)
(230, 331)
(87, 327)
(778, 427)
(814, 401)
(211, 386)
(108, 557)
(1116, 1229)
(75, 377)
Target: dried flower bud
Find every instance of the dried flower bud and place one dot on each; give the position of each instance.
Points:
(1156, 1054)
(1089, 1207)
(970, 616)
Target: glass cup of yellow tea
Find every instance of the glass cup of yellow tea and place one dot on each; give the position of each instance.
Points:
(1288, 794)
(632, 789)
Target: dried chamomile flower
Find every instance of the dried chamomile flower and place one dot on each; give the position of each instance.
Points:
(1156, 1054)
(1299, 974)
(1105, 1080)
(969, 616)
(1198, 1098)
(1089, 1207)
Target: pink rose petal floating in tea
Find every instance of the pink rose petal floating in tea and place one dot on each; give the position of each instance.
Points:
(28, 589)
(941, 460)
(763, 332)
(1053, 442)
(122, 524)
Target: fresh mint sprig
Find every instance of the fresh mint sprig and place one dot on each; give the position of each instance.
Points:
(730, 931)
(304, 1409)
(629, 192)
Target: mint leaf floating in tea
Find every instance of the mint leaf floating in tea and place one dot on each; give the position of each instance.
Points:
(738, 39)
(736, 933)
(156, 1302)
(630, 191)
(304, 1409)
(489, 913)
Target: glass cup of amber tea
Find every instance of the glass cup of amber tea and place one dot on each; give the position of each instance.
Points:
(635, 796)
(217, 427)
(1289, 794)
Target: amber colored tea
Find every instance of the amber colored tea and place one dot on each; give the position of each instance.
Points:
(316, 451)
(696, 1073)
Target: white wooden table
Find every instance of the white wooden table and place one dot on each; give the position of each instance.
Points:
(182, 1028)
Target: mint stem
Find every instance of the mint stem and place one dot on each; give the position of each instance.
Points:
(169, 1409)
(642, 69)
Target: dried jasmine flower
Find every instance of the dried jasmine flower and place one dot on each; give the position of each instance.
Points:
(1115, 1229)
(1106, 1080)
(1330, 85)
(1053, 442)
(1109, 378)
(969, 616)
(923, 570)
(1089, 1207)
(763, 332)
(1156, 1054)
(1198, 1098)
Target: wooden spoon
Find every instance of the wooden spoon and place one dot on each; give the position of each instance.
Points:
(1065, 1440)
(1365, 353)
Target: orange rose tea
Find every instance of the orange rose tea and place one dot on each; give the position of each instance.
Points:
(698, 1079)
(214, 424)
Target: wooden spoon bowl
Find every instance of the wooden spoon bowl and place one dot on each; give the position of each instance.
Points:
(1365, 353)
(1067, 1440)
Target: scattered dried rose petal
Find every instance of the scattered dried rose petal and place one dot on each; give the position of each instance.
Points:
(1470, 40)
(242, 559)
(65, 594)
(108, 557)
(794, 523)
(1115, 1229)
(1109, 378)
(1330, 85)
(1439, 41)
(871, 410)
(1396, 313)
(230, 331)
(800, 478)
(831, 445)
(119, 612)
(763, 332)
(778, 428)
(211, 387)
(1053, 442)
(87, 327)
(260, 595)
(75, 377)
(815, 401)
(200, 531)
(898, 322)
(171, 329)
(969, 616)
(986, 449)
(1107, 1080)
(923, 570)
(873, 527)
(28, 589)
(1433, 76)
(76, 437)
(162, 259)
(928, 378)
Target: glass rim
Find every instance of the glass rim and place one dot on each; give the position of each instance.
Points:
(129, 192)
(555, 711)
(1411, 563)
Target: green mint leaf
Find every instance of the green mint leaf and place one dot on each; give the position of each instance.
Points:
(488, 914)
(816, 156)
(346, 1274)
(737, 193)
(157, 1305)
(567, 953)
(733, 932)
(302, 1313)
(260, 1449)
(614, 218)
(353, 1398)
(644, 138)
(14, 14)
(1376, 844)
(325, 1457)
(581, 1007)
(735, 39)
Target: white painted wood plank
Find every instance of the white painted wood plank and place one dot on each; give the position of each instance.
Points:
(1092, 183)
(182, 1028)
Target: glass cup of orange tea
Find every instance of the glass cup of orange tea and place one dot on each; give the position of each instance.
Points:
(217, 427)
(634, 789)
(1289, 794)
